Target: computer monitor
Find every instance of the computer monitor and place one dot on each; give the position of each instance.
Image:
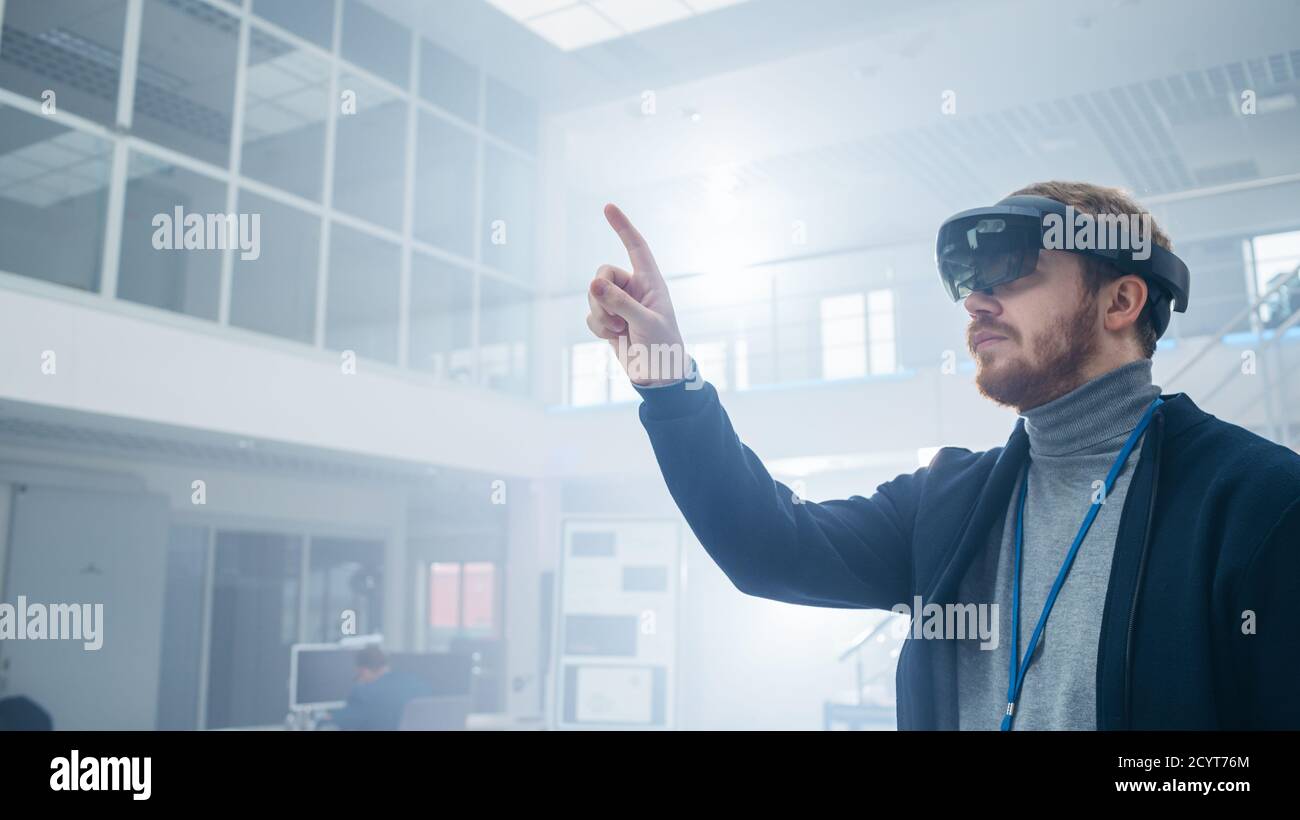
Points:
(321, 675)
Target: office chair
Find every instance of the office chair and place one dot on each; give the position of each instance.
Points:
(435, 714)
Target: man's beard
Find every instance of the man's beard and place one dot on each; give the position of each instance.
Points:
(1059, 358)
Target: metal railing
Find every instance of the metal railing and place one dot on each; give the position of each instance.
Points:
(1278, 431)
(860, 714)
(1214, 339)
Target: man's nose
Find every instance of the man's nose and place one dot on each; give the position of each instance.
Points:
(982, 302)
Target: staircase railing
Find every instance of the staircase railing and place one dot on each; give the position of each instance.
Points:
(1280, 432)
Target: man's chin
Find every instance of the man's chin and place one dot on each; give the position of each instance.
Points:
(1002, 379)
(990, 364)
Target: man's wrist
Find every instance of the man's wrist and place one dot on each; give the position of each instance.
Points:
(653, 385)
(690, 376)
(664, 390)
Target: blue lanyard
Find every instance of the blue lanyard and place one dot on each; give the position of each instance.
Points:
(1019, 667)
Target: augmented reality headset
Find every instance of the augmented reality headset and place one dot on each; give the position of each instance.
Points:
(982, 248)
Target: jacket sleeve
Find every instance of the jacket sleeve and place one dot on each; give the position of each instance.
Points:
(848, 553)
(1267, 659)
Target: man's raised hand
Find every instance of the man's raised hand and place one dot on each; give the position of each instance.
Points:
(634, 312)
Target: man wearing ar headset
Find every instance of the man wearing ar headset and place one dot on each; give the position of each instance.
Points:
(1144, 555)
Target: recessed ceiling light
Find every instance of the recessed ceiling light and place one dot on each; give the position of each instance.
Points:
(574, 27)
(636, 15)
(524, 9)
(574, 24)
(702, 6)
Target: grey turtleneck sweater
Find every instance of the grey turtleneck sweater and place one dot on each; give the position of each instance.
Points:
(1073, 440)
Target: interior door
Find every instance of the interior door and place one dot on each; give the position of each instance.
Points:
(83, 546)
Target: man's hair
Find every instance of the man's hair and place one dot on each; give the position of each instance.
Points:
(1096, 200)
(371, 657)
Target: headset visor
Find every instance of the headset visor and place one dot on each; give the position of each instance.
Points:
(982, 251)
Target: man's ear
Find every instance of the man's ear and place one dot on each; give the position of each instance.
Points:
(1125, 298)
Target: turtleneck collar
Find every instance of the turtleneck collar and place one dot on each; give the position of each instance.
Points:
(1095, 416)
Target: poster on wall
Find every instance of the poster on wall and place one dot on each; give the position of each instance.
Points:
(616, 624)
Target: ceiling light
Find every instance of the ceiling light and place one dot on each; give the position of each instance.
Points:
(574, 24)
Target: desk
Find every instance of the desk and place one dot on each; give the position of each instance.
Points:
(474, 722)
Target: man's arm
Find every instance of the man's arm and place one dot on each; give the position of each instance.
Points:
(851, 553)
(1266, 662)
(770, 543)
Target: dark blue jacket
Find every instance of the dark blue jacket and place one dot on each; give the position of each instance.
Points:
(378, 705)
(1210, 529)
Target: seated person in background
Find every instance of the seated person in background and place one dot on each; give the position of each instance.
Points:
(380, 695)
(22, 714)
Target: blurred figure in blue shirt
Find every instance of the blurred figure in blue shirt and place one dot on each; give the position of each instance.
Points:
(380, 695)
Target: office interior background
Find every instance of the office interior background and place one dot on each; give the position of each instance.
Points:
(394, 422)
